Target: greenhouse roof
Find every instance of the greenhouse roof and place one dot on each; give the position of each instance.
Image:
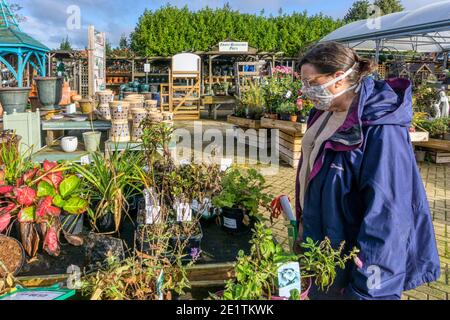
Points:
(426, 29)
(13, 37)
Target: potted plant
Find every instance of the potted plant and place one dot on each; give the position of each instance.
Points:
(36, 200)
(437, 127)
(241, 196)
(252, 100)
(257, 273)
(287, 111)
(109, 181)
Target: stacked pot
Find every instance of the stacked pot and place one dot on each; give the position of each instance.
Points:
(103, 100)
(151, 105)
(168, 118)
(120, 131)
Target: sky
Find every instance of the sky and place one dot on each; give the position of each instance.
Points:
(46, 20)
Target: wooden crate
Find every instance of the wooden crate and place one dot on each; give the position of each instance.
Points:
(439, 157)
(285, 126)
(245, 123)
(290, 147)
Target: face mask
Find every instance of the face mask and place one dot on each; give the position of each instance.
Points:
(321, 96)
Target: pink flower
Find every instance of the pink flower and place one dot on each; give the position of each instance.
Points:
(358, 263)
(300, 104)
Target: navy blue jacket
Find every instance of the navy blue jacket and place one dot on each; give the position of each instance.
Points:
(365, 189)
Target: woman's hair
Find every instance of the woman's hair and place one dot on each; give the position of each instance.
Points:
(331, 57)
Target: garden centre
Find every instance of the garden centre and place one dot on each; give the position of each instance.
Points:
(163, 171)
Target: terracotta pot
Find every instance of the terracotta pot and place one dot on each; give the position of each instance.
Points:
(294, 118)
(76, 98)
(65, 100)
(120, 131)
(119, 110)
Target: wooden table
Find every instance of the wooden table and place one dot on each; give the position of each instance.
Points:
(215, 102)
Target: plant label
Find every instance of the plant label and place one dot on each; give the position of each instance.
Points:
(225, 163)
(289, 279)
(159, 284)
(85, 160)
(184, 212)
(152, 214)
(229, 223)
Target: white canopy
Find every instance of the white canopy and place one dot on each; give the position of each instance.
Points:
(426, 29)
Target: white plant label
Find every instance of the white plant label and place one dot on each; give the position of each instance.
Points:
(85, 160)
(230, 223)
(225, 163)
(152, 208)
(289, 279)
(184, 212)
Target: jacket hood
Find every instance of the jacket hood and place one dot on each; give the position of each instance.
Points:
(387, 102)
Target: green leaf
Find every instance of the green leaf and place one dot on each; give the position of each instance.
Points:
(58, 201)
(27, 214)
(69, 185)
(76, 205)
(45, 189)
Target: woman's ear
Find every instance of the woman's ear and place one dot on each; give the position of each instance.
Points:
(340, 83)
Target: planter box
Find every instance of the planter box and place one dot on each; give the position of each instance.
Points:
(290, 147)
(245, 123)
(286, 126)
(439, 157)
(441, 145)
(419, 136)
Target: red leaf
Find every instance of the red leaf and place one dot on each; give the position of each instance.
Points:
(54, 179)
(51, 243)
(6, 189)
(25, 196)
(9, 208)
(5, 219)
(30, 174)
(45, 207)
(49, 165)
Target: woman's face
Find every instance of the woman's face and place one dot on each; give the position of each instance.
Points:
(310, 74)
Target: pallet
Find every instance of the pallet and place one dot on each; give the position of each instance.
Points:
(290, 147)
(285, 126)
(245, 123)
(441, 145)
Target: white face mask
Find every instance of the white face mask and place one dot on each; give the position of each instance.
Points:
(321, 96)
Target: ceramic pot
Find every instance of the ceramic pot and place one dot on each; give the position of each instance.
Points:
(105, 97)
(69, 144)
(14, 99)
(76, 98)
(151, 105)
(92, 141)
(87, 107)
(49, 91)
(167, 116)
(294, 118)
(119, 110)
(138, 116)
(65, 99)
(71, 108)
(104, 111)
(134, 104)
(120, 131)
(155, 117)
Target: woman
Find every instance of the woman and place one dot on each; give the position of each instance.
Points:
(358, 181)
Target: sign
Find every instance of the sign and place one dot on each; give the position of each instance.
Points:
(97, 60)
(233, 47)
(147, 68)
(289, 279)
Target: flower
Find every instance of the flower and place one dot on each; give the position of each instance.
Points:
(195, 253)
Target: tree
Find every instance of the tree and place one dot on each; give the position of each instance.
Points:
(123, 42)
(389, 6)
(358, 11)
(108, 48)
(65, 44)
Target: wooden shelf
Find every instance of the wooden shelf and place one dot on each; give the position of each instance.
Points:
(443, 145)
(245, 123)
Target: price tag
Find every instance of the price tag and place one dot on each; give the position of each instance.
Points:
(184, 212)
(85, 160)
(119, 108)
(289, 279)
(225, 163)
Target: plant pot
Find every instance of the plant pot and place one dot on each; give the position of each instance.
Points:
(72, 224)
(14, 99)
(106, 224)
(49, 91)
(272, 116)
(71, 108)
(92, 141)
(420, 155)
(120, 131)
(232, 220)
(65, 99)
(86, 106)
(12, 255)
(139, 114)
(446, 136)
(285, 117)
(105, 97)
(294, 118)
(119, 110)
(151, 105)
(69, 144)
